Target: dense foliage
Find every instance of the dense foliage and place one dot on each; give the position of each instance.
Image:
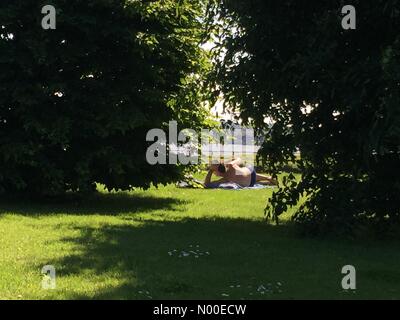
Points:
(332, 93)
(76, 102)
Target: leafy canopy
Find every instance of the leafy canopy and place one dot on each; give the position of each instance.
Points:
(332, 93)
(76, 102)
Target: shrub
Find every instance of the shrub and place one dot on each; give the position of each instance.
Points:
(76, 102)
(332, 93)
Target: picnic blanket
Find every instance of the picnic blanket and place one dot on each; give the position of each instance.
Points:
(235, 186)
(223, 186)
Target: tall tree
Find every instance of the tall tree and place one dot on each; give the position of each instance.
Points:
(332, 93)
(76, 102)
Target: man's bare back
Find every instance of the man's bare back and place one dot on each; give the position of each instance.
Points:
(236, 174)
(232, 172)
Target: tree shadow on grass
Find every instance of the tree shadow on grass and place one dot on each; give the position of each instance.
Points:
(144, 257)
(221, 259)
(152, 257)
(99, 204)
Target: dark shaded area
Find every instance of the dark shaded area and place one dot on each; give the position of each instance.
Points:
(245, 253)
(334, 95)
(77, 102)
(107, 204)
(249, 253)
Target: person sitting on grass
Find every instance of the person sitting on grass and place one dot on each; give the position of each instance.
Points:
(232, 172)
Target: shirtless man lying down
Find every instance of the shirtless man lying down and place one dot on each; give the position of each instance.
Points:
(233, 172)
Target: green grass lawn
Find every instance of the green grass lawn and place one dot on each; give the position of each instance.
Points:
(121, 246)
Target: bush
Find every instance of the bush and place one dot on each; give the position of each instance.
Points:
(76, 102)
(333, 93)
